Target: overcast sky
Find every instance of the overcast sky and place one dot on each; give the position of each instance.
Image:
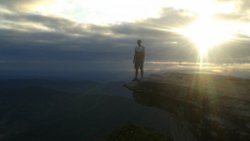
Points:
(49, 37)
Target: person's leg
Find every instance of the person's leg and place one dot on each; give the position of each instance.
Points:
(142, 73)
(136, 74)
(141, 68)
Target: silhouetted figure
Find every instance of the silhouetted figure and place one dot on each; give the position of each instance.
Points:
(139, 59)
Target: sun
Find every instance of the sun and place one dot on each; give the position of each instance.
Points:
(206, 33)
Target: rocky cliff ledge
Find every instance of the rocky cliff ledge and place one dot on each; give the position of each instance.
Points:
(217, 107)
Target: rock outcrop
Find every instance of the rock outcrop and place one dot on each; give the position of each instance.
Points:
(217, 107)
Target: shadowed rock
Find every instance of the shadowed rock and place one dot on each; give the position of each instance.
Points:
(217, 107)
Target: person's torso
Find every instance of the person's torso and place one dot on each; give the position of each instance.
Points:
(139, 53)
(139, 49)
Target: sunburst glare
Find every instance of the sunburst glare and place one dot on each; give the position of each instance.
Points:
(207, 32)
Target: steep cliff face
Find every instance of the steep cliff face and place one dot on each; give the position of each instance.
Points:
(217, 107)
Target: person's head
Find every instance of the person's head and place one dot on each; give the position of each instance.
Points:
(139, 42)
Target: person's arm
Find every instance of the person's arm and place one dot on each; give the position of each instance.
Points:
(144, 53)
(134, 58)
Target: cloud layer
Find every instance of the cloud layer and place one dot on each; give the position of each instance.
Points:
(40, 43)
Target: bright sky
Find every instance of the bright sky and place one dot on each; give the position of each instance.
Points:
(115, 11)
(103, 12)
(112, 11)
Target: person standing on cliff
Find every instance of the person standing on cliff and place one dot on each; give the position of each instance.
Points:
(138, 60)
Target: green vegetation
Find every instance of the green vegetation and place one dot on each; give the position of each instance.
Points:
(135, 133)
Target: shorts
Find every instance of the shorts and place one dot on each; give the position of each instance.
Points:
(139, 64)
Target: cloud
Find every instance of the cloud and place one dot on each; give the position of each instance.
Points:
(172, 18)
(241, 11)
(243, 5)
(233, 69)
(65, 44)
(22, 5)
(39, 43)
